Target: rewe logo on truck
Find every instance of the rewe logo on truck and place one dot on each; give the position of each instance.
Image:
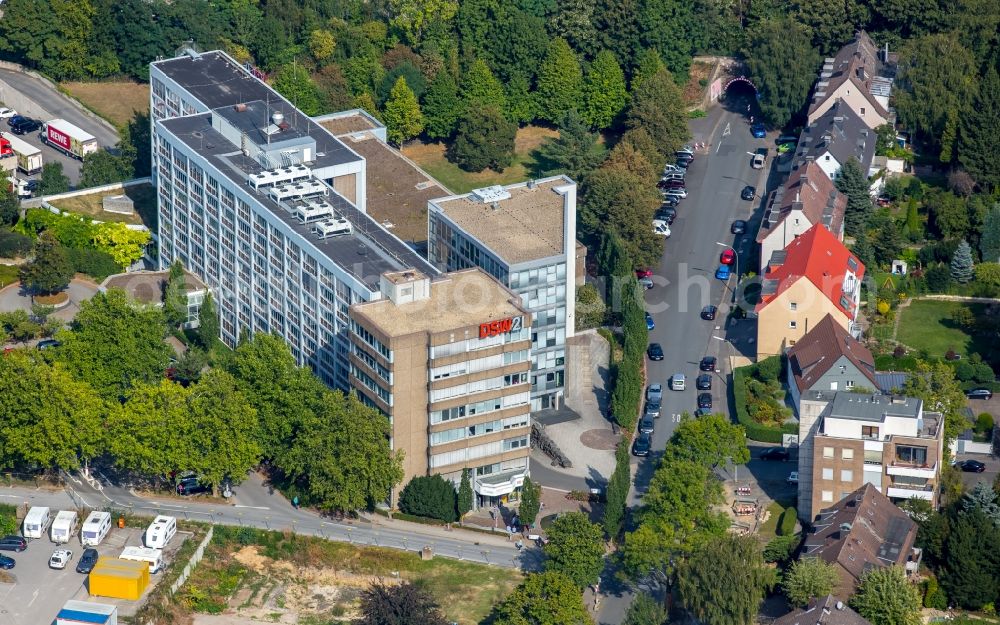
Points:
(60, 139)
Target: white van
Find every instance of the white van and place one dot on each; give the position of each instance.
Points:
(154, 557)
(160, 531)
(95, 528)
(64, 526)
(37, 522)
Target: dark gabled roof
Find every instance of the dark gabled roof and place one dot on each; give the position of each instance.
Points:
(840, 132)
(859, 63)
(817, 351)
(826, 610)
(810, 191)
(862, 531)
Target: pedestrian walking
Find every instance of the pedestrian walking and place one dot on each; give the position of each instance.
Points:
(295, 502)
(508, 533)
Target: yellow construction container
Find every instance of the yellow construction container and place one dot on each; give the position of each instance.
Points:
(120, 579)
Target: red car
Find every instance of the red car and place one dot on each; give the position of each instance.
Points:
(728, 257)
(643, 273)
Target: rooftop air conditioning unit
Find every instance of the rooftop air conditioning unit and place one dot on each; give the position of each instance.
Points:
(332, 228)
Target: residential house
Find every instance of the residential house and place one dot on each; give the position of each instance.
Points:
(861, 532)
(859, 76)
(887, 441)
(828, 358)
(807, 198)
(814, 276)
(836, 136)
(826, 610)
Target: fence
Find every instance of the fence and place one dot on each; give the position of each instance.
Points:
(193, 562)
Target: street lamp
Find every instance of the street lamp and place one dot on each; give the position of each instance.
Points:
(731, 346)
(736, 253)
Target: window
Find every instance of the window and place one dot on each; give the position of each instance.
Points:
(827, 474)
(846, 475)
(849, 384)
(862, 111)
(852, 263)
(869, 431)
(828, 452)
(793, 305)
(911, 455)
(793, 325)
(827, 496)
(847, 453)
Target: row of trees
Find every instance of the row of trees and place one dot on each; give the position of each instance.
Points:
(102, 396)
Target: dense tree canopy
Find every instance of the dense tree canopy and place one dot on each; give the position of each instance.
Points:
(738, 561)
(782, 64)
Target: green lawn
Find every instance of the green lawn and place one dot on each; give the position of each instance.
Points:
(926, 325)
(8, 274)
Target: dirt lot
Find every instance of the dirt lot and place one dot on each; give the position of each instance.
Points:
(116, 102)
(250, 576)
(694, 89)
(431, 157)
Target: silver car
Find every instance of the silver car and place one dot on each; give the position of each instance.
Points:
(654, 392)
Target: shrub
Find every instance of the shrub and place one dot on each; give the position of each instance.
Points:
(781, 548)
(768, 369)
(590, 308)
(786, 524)
(14, 244)
(984, 422)
(934, 597)
(430, 496)
(8, 524)
(899, 352)
(96, 264)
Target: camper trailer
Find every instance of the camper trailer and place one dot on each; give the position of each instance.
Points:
(64, 526)
(95, 528)
(160, 531)
(37, 522)
(153, 557)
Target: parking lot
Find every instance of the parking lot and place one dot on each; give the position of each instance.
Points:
(38, 592)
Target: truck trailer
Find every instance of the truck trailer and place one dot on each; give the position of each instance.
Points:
(68, 138)
(29, 158)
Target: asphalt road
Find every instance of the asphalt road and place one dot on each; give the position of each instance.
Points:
(35, 98)
(685, 279)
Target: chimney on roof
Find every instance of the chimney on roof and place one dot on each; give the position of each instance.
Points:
(240, 108)
(840, 605)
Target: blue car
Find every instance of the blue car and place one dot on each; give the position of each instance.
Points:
(722, 273)
(649, 322)
(758, 130)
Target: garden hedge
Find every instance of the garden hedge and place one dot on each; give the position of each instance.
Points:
(755, 431)
(786, 524)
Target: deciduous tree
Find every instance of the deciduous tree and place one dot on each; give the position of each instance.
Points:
(711, 441)
(414, 17)
(208, 323)
(52, 180)
(399, 604)
(103, 167)
(624, 202)
(886, 597)
(50, 270)
(531, 499)
(575, 548)
(548, 598)
(782, 64)
(401, 114)
(442, 106)
(481, 89)
(604, 93)
(657, 106)
(809, 578)
(738, 561)
(645, 610)
(294, 82)
(560, 81)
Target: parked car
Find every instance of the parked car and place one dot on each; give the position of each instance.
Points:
(7, 113)
(704, 382)
(661, 228)
(707, 363)
(653, 409)
(670, 201)
(681, 193)
(15, 119)
(723, 272)
(748, 193)
(775, 453)
(758, 130)
(654, 392)
(728, 256)
(708, 312)
(646, 424)
(739, 227)
(654, 351)
(672, 183)
(979, 393)
(671, 168)
(643, 443)
(702, 412)
(793, 478)
(678, 382)
(684, 163)
(757, 161)
(60, 558)
(647, 283)
(7, 562)
(643, 273)
(25, 125)
(650, 324)
(705, 400)
(13, 543)
(191, 486)
(971, 466)
(48, 344)
(667, 214)
(88, 560)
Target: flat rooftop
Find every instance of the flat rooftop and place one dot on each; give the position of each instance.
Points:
(217, 81)
(866, 407)
(397, 189)
(368, 252)
(457, 300)
(347, 124)
(147, 287)
(530, 225)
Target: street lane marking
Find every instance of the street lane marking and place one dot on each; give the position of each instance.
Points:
(252, 507)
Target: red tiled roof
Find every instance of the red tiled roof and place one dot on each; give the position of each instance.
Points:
(818, 256)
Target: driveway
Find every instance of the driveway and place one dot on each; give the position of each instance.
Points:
(13, 297)
(35, 98)
(685, 278)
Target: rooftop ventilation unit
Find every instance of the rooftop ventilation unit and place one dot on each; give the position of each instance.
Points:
(488, 195)
(297, 190)
(332, 228)
(313, 211)
(281, 175)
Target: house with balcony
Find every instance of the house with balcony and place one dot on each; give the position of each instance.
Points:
(864, 530)
(814, 276)
(887, 441)
(828, 358)
(861, 76)
(807, 198)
